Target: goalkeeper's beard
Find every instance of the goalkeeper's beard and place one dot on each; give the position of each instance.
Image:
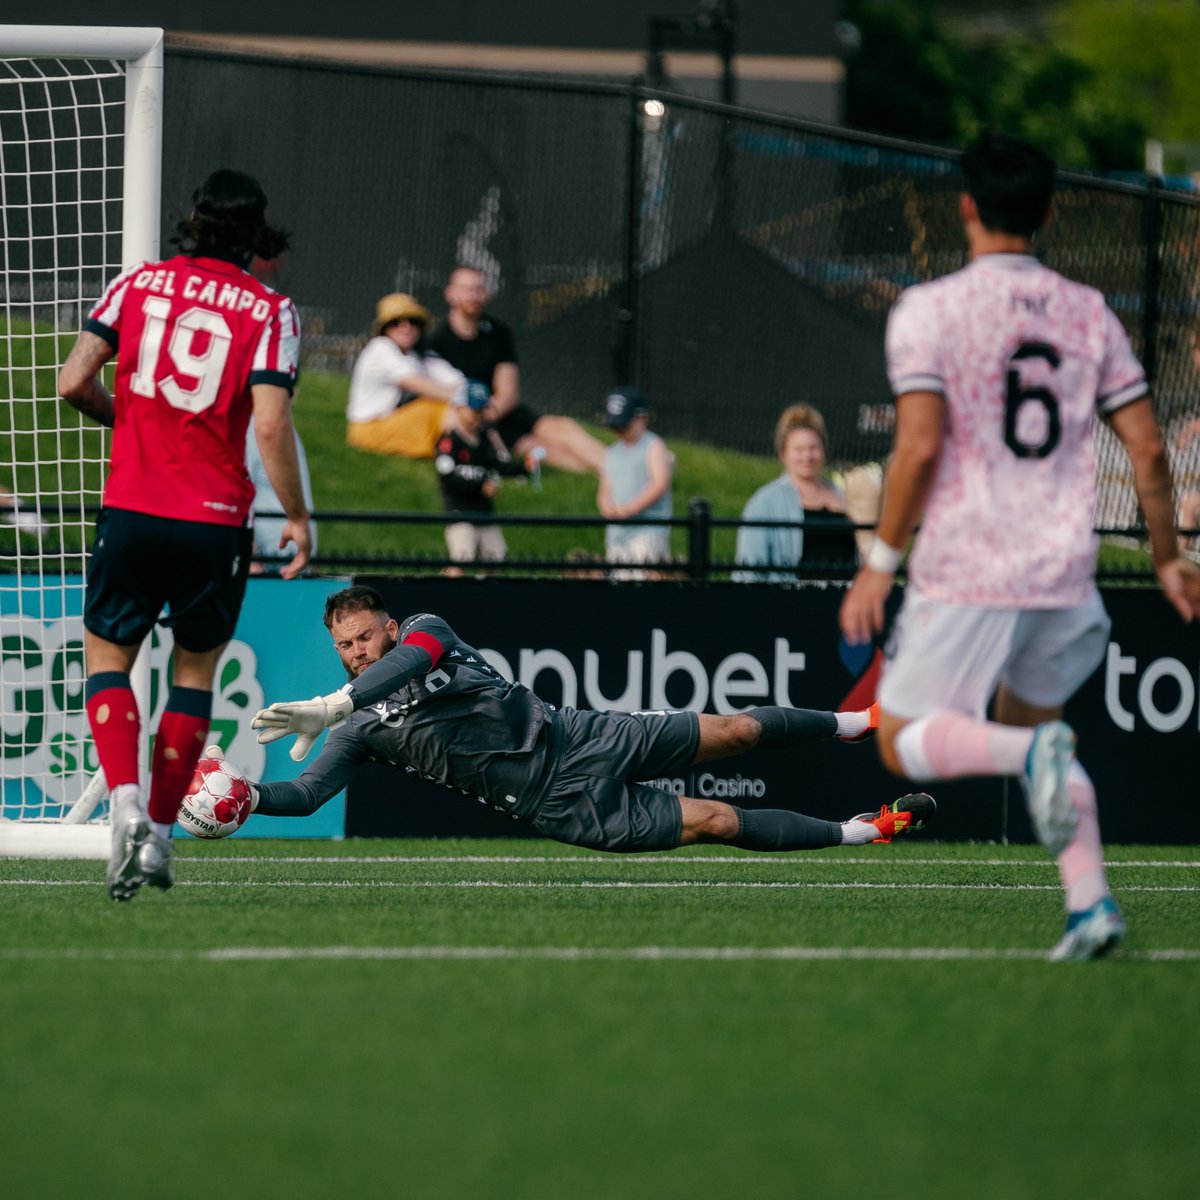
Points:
(353, 671)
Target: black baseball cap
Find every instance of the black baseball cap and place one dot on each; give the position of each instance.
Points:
(622, 405)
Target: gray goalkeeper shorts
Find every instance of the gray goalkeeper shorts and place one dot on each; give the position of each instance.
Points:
(596, 799)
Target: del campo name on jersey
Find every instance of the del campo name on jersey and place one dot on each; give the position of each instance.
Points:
(204, 291)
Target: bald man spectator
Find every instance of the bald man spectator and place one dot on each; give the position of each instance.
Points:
(482, 348)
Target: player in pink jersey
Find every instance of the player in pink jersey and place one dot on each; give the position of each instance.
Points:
(999, 370)
(200, 344)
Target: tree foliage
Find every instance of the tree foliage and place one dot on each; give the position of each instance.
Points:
(1147, 51)
(1070, 94)
(907, 77)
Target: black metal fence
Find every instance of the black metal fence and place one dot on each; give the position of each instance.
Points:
(730, 262)
(702, 560)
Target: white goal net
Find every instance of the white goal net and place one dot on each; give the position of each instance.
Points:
(80, 138)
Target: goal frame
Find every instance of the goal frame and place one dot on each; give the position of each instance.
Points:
(140, 50)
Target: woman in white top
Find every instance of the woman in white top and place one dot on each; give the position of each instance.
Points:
(400, 395)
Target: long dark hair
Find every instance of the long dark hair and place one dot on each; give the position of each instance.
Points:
(228, 221)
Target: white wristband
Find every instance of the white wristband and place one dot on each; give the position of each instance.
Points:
(884, 558)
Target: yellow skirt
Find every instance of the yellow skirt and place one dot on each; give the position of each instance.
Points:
(411, 431)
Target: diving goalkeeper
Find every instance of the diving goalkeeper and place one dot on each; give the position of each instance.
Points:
(421, 699)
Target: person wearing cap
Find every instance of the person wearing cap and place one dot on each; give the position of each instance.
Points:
(400, 393)
(635, 481)
(483, 348)
(470, 461)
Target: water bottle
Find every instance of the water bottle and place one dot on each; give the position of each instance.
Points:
(533, 464)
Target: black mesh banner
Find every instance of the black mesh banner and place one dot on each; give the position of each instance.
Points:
(729, 262)
(722, 649)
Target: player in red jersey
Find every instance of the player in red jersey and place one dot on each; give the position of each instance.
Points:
(199, 344)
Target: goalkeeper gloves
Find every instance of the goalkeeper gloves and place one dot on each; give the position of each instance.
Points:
(307, 719)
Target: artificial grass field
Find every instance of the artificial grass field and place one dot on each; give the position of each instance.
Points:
(522, 1019)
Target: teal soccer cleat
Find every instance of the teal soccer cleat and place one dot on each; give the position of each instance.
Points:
(1091, 933)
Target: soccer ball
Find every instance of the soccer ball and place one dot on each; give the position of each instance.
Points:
(217, 801)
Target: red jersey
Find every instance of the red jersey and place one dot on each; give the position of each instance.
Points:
(192, 336)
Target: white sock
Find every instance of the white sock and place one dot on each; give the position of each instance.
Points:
(126, 796)
(851, 724)
(949, 745)
(858, 833)
(163, 831)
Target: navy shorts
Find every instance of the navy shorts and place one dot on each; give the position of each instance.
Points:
(597, 800)
(142, 563)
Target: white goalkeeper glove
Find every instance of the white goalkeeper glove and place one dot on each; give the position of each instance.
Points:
(307, 719)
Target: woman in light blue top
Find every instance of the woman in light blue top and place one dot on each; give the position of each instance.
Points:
(802, 488)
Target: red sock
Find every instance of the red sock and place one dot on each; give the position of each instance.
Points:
(177, 746)
(113, 715)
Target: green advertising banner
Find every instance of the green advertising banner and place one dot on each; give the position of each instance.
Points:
(279, 649)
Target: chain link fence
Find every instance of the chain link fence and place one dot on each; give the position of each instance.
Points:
(729, 262)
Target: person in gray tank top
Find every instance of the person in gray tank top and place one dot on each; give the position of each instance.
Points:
(422, 699)
(635, 482)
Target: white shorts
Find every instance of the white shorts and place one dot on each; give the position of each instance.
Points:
(952, 656)
(645, 546)
(470, 543)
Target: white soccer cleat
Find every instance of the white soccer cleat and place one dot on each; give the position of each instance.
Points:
(129, 828)
(139, 855)
(154, 855)
(1050, 756)
(1091, 933)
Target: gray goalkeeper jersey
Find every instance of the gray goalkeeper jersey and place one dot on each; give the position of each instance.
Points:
(459, 723)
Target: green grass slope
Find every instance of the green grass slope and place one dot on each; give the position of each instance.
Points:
(346, 478)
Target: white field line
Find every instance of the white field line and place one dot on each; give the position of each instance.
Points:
(745, 860)
(569, 954)
(585, 884)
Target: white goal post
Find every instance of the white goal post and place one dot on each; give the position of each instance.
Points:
(80, 198)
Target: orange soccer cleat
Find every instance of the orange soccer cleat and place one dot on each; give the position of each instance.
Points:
(906, 815)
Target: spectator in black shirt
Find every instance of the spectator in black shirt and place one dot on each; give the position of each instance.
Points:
(482, 347)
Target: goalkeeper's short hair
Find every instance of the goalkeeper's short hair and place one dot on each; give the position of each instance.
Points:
(352, 600)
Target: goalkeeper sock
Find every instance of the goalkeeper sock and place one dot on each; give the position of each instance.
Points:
(852, 724)
(113, 716)
(948, 745)
(783, 728)
(181, 735)
(858, 833)
(781, 829)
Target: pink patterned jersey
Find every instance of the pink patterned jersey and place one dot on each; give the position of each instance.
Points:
(193, 335)
(1024, 359)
